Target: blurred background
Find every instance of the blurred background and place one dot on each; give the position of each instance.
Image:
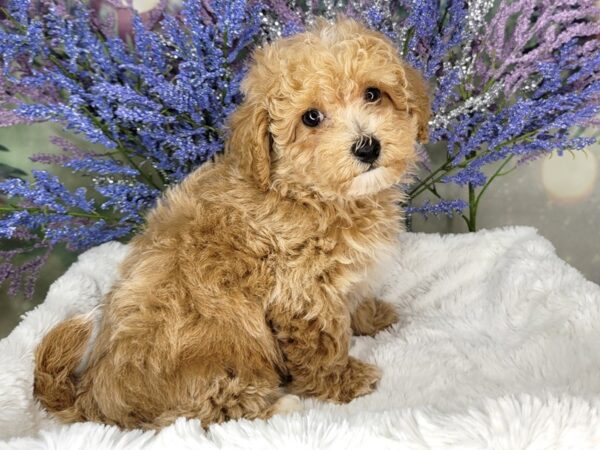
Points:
(558, 195)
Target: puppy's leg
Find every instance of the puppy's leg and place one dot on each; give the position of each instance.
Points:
(315, 347)
(229, 399)
(371, 316)
(287, 404)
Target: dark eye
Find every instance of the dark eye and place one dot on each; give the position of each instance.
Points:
(312, 118)
(372, 94)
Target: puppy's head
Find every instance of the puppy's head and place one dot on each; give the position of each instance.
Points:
(333, 110)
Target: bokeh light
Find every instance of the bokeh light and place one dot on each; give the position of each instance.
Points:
(570, 178)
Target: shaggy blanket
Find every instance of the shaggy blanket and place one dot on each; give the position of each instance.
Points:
(498, 347)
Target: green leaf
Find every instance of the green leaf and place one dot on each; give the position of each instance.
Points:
(7, 171)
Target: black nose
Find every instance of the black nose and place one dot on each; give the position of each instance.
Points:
(366, 149)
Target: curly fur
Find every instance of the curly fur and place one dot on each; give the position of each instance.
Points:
(248, 280)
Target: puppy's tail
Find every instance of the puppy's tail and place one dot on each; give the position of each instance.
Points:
(56, 360)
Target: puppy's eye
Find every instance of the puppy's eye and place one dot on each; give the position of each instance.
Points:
(372, 94)
(312, 118)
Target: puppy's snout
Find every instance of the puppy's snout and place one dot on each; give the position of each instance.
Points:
(366, 149)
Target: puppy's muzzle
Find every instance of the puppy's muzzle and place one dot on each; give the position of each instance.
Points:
(366, 149)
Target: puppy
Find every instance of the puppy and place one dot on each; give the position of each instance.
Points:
(251, 275)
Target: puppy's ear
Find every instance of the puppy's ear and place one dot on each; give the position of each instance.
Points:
(414, 95)
(250, 141)
(419, 102)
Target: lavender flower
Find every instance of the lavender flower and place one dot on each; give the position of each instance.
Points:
(444, 207)
(542, 28)
(22, 277)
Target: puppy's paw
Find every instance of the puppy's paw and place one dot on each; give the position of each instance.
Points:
(359, 379)
(372, 316)
(287, 404)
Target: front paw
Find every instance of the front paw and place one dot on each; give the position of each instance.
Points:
(372, 316)
(358, 379)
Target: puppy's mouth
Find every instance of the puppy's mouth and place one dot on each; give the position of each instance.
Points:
(372, 180)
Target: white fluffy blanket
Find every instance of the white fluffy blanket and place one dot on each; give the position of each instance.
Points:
(498, 348)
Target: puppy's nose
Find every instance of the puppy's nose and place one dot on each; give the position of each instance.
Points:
(366, 149)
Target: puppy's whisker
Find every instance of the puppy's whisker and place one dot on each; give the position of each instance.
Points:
(361, 141)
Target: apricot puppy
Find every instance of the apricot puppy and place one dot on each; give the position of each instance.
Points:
(252, 273)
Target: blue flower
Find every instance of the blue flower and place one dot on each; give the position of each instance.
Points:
(445, 207)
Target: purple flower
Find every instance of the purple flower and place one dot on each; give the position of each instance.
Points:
(22, 277)
(445, 207)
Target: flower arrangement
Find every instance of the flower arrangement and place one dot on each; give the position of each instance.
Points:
(511, 81)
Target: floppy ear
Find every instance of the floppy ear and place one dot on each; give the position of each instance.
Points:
(413, 94)
(249, 140)
(418, 101)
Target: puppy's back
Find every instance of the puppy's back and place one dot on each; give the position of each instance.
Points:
(183, 329)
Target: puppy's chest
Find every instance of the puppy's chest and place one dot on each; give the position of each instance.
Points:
(339, 253)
